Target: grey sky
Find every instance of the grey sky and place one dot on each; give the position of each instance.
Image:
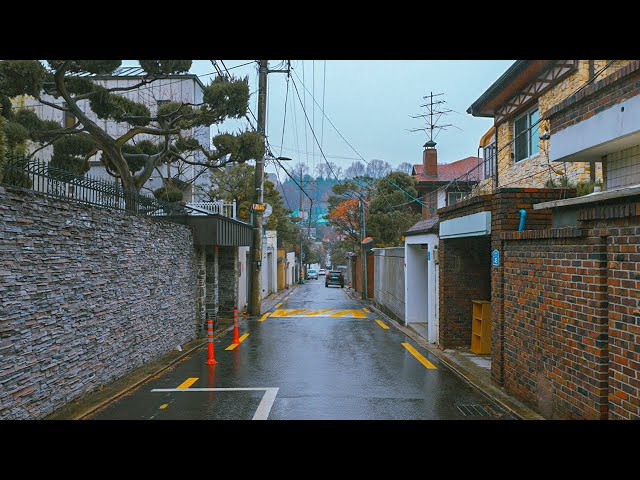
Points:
(371, 103)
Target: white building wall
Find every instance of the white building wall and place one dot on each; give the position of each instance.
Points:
(442, 198)
(243, 281)
(186, 90)
(421, 282)
(291, 268)
(269, 268)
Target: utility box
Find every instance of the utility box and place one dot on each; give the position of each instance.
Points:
(481, 327)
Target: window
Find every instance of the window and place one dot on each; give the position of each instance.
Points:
(455, 197)
(525, 133)
(489, 156)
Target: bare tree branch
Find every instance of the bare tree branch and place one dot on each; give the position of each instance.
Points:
(53, 105)
(139, 130)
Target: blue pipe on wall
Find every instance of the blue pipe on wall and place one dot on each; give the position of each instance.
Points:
(523, 216)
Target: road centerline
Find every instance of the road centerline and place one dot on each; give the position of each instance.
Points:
(240, 340)
(382, 324)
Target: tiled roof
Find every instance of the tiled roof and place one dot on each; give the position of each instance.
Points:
(424, 225)
(451, 171)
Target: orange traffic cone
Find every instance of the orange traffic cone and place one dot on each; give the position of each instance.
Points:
(236, 340)
(210, 360)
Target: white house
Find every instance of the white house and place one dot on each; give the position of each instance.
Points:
(186, 88)
(421, 278)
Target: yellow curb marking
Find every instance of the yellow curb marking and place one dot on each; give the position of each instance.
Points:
(240, 340)
(366, 310)
(278, 305)
(382, 324)
(163, 406)
(188, 382)
(417, 354)
(264, 317)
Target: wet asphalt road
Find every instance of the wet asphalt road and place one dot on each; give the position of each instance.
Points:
(317, 356)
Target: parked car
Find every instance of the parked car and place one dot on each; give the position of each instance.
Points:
(322, 271)
(334, 277)
(312, 273)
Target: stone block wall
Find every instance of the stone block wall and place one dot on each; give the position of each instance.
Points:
(86, 295)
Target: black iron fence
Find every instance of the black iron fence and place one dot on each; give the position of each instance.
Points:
(37, 175)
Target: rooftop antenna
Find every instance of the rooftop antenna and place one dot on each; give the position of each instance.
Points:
(434, 108)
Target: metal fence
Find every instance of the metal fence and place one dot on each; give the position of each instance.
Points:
(37, 175)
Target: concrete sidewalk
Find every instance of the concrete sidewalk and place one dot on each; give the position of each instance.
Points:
(475, 369)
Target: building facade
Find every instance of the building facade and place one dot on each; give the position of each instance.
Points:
(174, 88)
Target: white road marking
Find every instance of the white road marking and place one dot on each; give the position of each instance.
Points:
(264, 408)
(262, 413)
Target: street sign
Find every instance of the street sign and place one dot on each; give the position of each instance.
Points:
(495, 258)
(302, 254)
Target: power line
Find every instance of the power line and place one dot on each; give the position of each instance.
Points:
(357, 153)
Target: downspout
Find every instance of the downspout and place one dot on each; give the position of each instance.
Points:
(592, 165)
(523, 216)
(497, 164)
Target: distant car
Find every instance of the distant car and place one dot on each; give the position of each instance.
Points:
(312, 273)
(322, 271)
(334, 277)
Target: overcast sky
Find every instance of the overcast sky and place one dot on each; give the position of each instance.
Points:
(371, 103)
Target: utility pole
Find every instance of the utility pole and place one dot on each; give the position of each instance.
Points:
(363, 252)
(258, 196)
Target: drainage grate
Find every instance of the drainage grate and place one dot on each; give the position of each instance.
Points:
(473, 411)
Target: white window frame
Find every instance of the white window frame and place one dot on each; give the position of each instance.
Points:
(526, 115)
(464, 195)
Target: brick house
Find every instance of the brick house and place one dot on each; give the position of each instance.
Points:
(564, 290)
(444, 184)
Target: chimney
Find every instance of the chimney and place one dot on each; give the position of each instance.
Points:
(430, 159)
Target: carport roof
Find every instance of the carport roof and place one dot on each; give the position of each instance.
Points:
(426, 225)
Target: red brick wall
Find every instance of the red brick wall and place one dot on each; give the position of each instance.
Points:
(623, 252)
(572, 314)
(465, 275)
(507, 203)
(611, 90)
(555, 322)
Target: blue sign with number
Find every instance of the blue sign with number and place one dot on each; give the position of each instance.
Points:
(495, 258)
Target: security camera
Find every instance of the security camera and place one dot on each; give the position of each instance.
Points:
(545, 136)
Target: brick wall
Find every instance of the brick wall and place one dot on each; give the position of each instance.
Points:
(572, 314)
(555, 322)
(623, 295)
(86, 295)
(601, 95)
(465, 275)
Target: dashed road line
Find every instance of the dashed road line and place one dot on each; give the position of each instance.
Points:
(279, 305)
(264, 317)
(366, 310)
(382, 324)
(240, 340)
(418, 355)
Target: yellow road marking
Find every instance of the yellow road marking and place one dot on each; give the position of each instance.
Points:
(305, 312)
(366, 310)
(163, 406)
(287, 313)
(278, 305)
(286, 298)
(188, 382)
(315, 313)
(417, 354)
(382, 324)
(264, 317)
(240, 340)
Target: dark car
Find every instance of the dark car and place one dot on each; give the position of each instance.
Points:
(334, 277)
